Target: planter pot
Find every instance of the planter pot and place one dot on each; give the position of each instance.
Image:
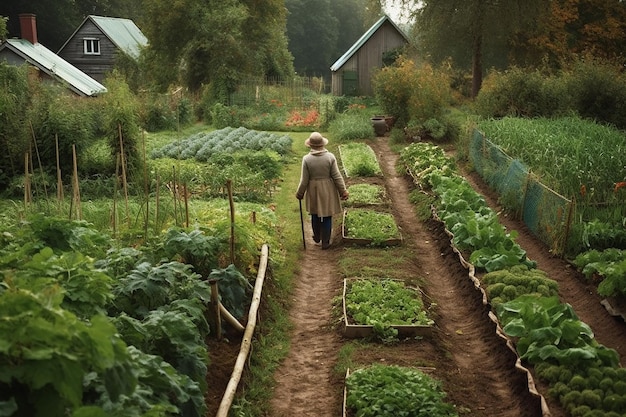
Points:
(380, 125)
(364, 330)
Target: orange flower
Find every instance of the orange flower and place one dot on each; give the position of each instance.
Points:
(583, 190)
(619, 185)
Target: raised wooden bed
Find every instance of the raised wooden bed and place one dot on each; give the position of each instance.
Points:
(348, 236)
(352, 330)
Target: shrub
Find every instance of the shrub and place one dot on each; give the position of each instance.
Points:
(410, 92)
(520, 92)
(599, 92)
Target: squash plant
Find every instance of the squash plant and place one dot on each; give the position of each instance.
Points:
(395, 391)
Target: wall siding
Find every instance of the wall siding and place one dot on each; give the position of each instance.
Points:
(96, 66)
(368, 59)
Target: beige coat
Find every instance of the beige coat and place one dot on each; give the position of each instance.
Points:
(322, 182)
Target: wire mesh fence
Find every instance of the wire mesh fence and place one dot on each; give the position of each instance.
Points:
(547, 214)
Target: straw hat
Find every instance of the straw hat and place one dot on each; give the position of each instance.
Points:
(316, 140)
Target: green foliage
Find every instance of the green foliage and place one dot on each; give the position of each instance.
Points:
(599, 91)
(194, 248)
(566, 153)
(47, 352)
(347, 126)
(385, 302)
(608, 266)
(234, 289)
(121, 122)
(376, 226)
(521, 92)
(548, 330)
(412, 93)
(14, 134)
(381, 390)
(507, 284)
(365, 194)
(203, 145)
(359, 160)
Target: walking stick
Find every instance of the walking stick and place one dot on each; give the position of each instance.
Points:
(302, 224)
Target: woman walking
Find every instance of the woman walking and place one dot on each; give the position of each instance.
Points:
(323, 186)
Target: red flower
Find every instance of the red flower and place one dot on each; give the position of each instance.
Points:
(619, 185)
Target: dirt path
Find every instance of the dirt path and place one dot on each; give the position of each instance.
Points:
(464, 352)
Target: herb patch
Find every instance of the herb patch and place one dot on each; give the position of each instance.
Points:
(370, 227)
(382, 391)
(384, 308)
(365, 194)
(359, 160)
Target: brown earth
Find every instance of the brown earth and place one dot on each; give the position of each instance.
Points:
(476, 367)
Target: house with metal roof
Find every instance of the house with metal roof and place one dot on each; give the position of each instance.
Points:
(95, 45)
(28, 50)
(352, 72)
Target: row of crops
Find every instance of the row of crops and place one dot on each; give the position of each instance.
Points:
(581, 161)
(94, 325)
(584, 376)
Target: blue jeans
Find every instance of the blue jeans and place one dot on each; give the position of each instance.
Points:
(322, 228)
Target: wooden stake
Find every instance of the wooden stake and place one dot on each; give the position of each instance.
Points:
(186, 205)
(215, 304)
(124, 180)
(229, 187)
(76, 191)
(59, 178)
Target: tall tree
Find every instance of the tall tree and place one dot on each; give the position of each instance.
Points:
(575, 27)
(266, 37)
(320, 31)
(472, 32)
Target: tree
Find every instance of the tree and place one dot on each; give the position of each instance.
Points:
(575, 27)
(472, 33)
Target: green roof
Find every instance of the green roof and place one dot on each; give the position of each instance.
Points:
(123, 33)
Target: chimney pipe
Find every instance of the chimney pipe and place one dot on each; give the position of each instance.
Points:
(28, 27)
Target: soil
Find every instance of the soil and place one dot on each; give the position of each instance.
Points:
(478, 370)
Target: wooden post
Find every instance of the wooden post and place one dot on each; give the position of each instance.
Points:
(215, 304)
(186, 205)
(59, 178)
(124, 179)
(229, 186)
(76, 193)
(26, 181)
(246, 342)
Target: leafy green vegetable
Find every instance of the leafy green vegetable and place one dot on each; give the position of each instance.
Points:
(359, 160)
(370, 224)
(550, 330)
(381, 391)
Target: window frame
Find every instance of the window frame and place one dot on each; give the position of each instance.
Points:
(91, 46)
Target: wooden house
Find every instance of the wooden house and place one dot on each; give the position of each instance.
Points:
(46, 64)
(352, 73)
(95, 45)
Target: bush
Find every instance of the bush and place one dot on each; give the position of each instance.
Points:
(520, 92)
(410, 92)
(599, 92)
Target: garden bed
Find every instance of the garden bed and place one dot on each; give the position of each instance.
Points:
(365, 195)
(359, 160)
(370, 227)
(406, 310)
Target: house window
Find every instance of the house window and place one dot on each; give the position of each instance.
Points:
(91, 46)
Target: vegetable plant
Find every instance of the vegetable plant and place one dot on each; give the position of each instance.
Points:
(371, 225)
(381, 391)
(359, 160)
(507, 284)
(365, 194)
